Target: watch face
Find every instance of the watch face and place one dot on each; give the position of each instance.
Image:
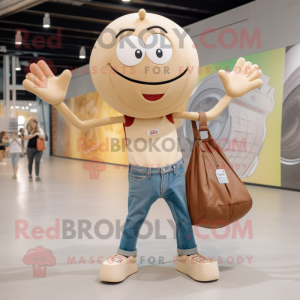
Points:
(205, 101)
(290, 133)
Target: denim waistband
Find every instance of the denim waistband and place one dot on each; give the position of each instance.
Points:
(163, 170)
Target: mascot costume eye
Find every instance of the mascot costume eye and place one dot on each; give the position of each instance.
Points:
(145, 67)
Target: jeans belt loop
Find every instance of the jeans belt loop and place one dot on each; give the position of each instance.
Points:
(149, 172)
(174, 169)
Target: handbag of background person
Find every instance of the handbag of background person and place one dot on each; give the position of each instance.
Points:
(216, 195)
(40, 144)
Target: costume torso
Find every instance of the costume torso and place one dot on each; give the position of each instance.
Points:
(152, 143)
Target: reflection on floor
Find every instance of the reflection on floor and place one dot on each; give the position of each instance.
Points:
(263, 262)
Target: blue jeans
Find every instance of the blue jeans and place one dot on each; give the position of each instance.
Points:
(146, 185)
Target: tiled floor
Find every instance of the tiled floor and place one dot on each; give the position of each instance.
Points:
(262, 264)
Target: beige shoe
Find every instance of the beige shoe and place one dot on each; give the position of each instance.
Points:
(198, 267)
(117, 268)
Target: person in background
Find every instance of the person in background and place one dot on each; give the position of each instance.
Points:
(7, 137)
(3, 143)
(16, 149)
(22, 137)
(25, 141)
(32, 133)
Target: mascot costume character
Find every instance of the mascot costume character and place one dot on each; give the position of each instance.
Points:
(146, 67)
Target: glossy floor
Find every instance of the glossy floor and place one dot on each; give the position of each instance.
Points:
(263, 262)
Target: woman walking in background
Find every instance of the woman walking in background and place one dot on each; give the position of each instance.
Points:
(3, 144)
(32, 134)
(22, 137)
(16, 150)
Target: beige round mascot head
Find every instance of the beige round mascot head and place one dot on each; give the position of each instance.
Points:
(144, 65)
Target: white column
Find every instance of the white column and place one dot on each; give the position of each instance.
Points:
(14, 90)
(6, 84)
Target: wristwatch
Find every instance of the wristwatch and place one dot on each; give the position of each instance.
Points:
(290, 133)
(240, 129)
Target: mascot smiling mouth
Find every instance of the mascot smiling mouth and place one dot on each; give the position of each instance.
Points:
(150, 97)
(150, 83)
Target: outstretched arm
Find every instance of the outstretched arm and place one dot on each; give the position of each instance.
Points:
(243, 79)
(210, 115)
(65, 111)
(42, 82)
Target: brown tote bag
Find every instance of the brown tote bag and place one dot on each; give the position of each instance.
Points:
(213, 201)
(40, 144)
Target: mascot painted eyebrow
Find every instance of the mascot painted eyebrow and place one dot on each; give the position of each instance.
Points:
(147, 73)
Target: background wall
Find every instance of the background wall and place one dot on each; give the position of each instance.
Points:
(277, 22)
(272, 24)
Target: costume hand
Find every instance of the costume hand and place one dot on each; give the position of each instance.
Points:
(42, 82)
(243, 78)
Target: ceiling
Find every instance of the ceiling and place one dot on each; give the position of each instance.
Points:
(81, 22)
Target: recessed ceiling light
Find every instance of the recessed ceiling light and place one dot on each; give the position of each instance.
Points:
(30, 104)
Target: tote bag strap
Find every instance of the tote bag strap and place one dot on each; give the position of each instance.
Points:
(202, 125)
(195, 131)
(202, 121)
